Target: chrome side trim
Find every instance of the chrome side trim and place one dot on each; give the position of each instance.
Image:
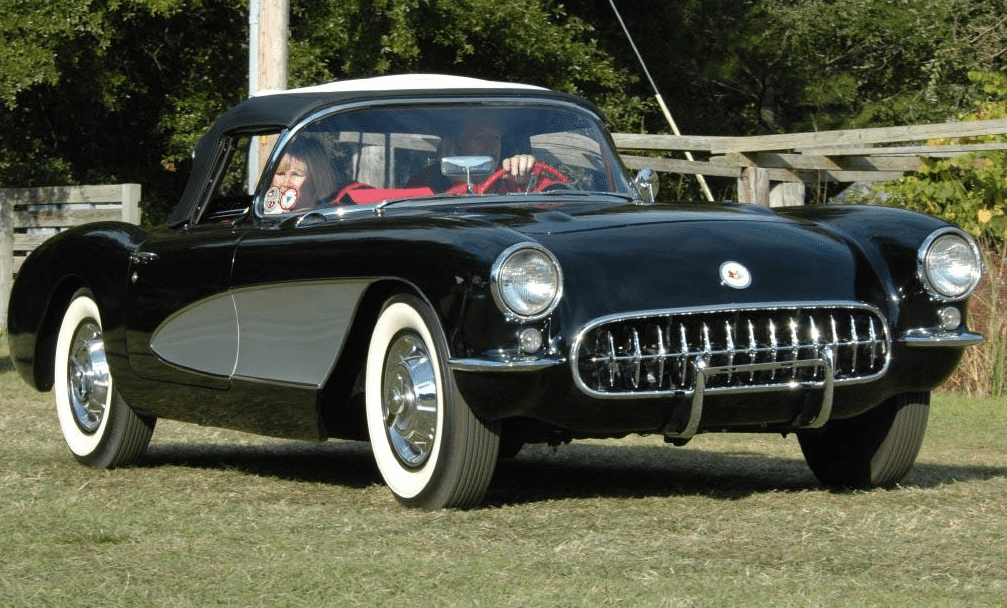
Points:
(495, 365)
(926, 337)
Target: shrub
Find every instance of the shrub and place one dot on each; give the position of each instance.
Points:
(982, 370)
(971, 191)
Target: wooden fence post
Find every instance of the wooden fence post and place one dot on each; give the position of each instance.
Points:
(753, 186)
(6, 255)
(131, 203)
(28, 216)
(787, 194)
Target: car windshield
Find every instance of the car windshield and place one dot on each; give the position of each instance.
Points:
(365, 156)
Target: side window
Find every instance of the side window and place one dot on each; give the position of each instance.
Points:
(230, 199)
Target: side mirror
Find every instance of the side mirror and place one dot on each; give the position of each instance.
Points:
(646, 184)
(467, 167)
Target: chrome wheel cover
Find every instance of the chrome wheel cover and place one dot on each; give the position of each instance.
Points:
(88, 378)
(409, 399)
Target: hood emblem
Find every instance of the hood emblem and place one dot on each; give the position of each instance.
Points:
(735, 275)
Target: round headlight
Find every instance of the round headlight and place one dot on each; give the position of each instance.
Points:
(949, 264)
(526, 281)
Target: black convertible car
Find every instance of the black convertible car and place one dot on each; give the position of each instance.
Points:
(451, 268)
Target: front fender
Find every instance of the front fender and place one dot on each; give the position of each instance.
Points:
(888, 240)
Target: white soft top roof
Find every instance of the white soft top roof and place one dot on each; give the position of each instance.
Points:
(404, 82)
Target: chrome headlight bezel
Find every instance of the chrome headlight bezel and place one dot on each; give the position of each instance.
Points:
(936, 263)
(526, 281)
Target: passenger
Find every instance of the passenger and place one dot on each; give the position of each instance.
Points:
(302, 179)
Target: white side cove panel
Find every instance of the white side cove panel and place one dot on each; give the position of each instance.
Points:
(203, 337)
(291, 333)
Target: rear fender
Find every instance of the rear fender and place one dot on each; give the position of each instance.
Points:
(95, 256)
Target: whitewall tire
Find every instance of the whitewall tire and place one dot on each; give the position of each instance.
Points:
(431, 450)
(97, 425)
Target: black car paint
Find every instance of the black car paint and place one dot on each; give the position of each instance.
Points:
(616, 256)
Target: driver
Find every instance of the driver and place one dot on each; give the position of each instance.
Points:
(478, 136)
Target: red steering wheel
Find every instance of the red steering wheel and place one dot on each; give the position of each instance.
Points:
(555, 177)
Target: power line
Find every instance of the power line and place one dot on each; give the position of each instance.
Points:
(660, 100)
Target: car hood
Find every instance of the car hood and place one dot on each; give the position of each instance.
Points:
(633, 257)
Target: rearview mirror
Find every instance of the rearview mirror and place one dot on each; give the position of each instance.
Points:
(467, 167)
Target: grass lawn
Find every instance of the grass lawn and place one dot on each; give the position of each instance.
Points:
(218, 518)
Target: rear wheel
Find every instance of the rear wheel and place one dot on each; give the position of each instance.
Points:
(874, 450)
(100, 429)
(432, 451)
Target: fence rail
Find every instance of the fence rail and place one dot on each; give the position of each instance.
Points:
(28, 216)
(796, 159)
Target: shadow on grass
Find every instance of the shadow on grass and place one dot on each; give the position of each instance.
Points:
(540, 474)
(6, 363)
(632, 472)
(340, 463)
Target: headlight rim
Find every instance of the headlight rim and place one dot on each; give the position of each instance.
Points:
(498, 296)
(923, 270)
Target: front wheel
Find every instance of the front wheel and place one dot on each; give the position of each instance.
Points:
(100, 429)
(873, 450)
(431, 450)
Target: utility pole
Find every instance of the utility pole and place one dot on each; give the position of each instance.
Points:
(268, 29)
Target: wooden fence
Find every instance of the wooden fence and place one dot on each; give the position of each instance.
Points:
(28, 216)
(773, 170)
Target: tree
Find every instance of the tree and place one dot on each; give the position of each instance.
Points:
(120, 90)
(114, 83)
(737, 67)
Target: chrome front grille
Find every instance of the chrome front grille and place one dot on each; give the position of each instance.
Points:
(737, 349)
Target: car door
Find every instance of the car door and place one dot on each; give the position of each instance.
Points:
(180, 321)
(181, 324)
(295, 301)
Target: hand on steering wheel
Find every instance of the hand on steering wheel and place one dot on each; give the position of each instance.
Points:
(555, 177)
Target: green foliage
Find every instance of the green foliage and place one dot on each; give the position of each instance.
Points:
(117, 79)
(738, 67)
(44, 39)
(534, 41)
(969, 190)
(34, 37)
(120, 90)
